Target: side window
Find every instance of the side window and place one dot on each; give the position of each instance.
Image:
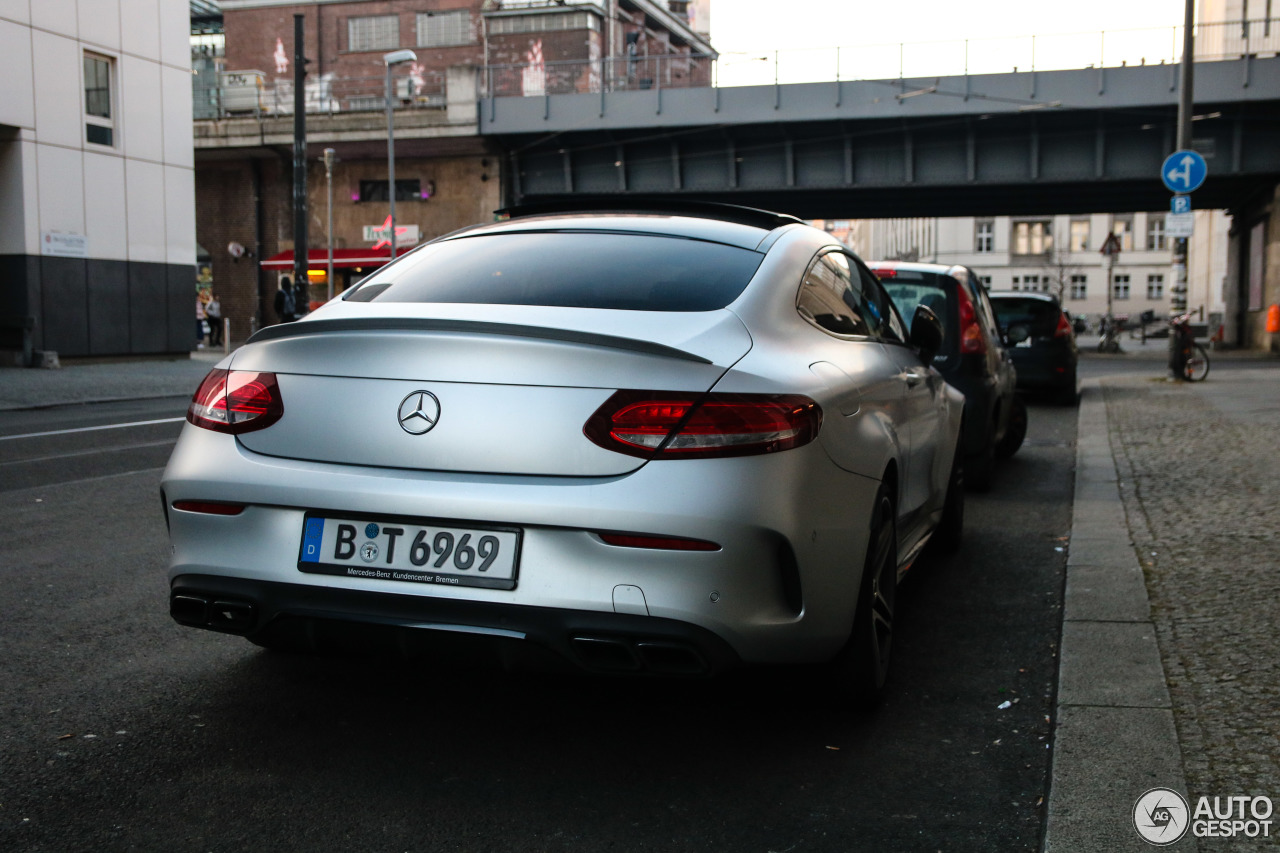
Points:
(830, 299)
(892, 327)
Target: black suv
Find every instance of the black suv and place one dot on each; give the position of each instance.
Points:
(1042, 343)
(973, 358)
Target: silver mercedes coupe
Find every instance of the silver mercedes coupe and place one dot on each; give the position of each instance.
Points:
(658, 441)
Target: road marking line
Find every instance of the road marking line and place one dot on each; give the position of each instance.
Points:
(92, 452)
(91, 429)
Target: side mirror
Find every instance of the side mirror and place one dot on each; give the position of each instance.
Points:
(1017, 334)
(926, 333)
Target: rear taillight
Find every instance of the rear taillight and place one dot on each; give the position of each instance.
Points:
(665, 425)
(882, 274)
(971, 339)
(1064, 327)
(236, 401)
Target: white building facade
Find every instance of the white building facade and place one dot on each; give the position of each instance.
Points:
(1061, 254)
(97, 190)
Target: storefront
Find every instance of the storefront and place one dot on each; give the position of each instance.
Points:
(349, 267)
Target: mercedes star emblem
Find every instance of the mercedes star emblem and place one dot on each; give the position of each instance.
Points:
(419, 412)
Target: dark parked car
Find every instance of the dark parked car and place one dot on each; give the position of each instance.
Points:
(1042, 343)
(973, 358)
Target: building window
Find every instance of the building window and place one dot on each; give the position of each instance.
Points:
(985, 280)
(1120, 287)
(1079, 235)
(381, 32)
(1156, 240)
(513, 24)
(1079, 287)
(1122, 227)
(99, 121)
(444, 29)
(1155, 287)
(984, 236)
(409, 189)
(1032, 238)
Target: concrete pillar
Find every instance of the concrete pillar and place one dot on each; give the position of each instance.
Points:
(460, 94)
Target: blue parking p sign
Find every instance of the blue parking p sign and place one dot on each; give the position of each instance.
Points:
(1180, 204)
(1183, 171)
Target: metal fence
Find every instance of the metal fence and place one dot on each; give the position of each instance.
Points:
(996, 55)
(228, 94)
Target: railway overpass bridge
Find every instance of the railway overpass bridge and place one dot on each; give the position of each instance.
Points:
(1074, 141)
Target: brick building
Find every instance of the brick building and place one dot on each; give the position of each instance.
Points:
(447, 176)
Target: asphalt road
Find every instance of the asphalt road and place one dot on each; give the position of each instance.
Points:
(120, 730)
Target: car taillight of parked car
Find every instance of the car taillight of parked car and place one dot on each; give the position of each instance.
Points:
(1064, 329)
(664, 425)
(971, 339)
(236, 401)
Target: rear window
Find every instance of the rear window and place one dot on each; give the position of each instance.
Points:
(908, 288)
(630, 272)
(1039, 315)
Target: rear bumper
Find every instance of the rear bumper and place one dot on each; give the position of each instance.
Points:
(317, 619)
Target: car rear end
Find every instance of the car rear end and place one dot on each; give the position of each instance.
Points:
(965, 359)
(553, 469)
(1043, 342)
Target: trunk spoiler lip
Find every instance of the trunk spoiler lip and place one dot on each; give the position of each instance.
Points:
(405, 324)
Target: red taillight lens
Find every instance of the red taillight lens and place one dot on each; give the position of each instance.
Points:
(1064, 329)
(236, 401)
(971, 339)
(689, 426)
(885, 273)
(666, 543)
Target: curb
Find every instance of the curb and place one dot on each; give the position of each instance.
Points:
(1114, 737)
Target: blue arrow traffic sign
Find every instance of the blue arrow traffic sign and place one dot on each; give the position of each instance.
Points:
(1183, 171)
(1180, 204)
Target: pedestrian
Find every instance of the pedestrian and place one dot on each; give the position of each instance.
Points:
(200, 321)
(284, 304)
(213, 310)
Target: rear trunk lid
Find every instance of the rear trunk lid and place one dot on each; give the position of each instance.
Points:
(508, 395)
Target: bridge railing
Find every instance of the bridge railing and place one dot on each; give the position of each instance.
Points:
(224, 94)
(1100, 49)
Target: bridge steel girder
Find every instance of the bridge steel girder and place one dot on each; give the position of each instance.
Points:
(990, 154)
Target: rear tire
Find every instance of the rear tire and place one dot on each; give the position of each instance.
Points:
(1197, 364)
(861, 669)
(1016, 432)
(980, 466)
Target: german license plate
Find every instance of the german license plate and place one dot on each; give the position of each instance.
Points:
(417, 551)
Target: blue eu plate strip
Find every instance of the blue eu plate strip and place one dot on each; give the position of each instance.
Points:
(311, 540)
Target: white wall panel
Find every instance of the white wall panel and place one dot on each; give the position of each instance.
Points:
(180, 215)
(100, 23)
(59, 78)
(13, 208)
(56, 15)
(16, 10)
(140, 28)
(141, 120)
(104, 207)
(145, 198)
(60, 189)
(17, 105)
(178, 143)
(175, 33)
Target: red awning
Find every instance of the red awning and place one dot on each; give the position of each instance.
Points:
(318, 259)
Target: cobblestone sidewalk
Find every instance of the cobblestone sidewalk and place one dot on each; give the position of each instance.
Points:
(1199, 466)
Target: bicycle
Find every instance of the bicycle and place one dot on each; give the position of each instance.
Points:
(1190, 359)
(1110, 340)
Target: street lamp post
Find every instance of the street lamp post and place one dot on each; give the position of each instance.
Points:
(328, 180)
(396, 57)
